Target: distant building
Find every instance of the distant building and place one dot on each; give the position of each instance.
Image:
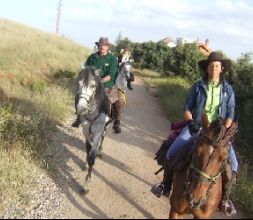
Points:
(183, 40)
(179, 41)
(204, 48)
(169, 41)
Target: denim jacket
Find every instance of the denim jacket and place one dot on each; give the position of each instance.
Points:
(196, 101)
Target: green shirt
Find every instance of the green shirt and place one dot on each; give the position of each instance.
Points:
(213, 101)
(107, 64)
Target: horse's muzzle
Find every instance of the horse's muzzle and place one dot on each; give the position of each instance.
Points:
(82, 106)
(194, 205)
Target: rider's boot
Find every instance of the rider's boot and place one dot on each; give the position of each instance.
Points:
(116, 127)
(228, 181)
(129, 86)
(165, 186)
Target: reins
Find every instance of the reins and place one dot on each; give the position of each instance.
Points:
(222, 140)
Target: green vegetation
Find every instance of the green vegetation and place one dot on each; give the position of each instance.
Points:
(36, 78)
(172, 93)
(182, 62)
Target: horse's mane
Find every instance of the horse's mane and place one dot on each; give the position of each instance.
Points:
(222, 136)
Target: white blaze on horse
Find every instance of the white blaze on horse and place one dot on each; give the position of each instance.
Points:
(93, 110)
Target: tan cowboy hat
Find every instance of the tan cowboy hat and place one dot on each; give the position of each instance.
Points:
(103, 41)
(216, 56)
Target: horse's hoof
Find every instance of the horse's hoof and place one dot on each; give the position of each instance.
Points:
(84, 167)
(84, 192)
(100, 154)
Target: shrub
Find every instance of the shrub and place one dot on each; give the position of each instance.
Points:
(39, 86)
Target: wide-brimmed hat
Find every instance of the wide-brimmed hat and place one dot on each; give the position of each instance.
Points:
(216, 56)
(103, 41)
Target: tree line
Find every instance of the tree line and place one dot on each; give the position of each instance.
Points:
(182, 61)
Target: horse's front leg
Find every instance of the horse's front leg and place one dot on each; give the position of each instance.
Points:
(97, 132)
(85, 190)
(175, 215)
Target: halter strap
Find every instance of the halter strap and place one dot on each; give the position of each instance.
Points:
(209, 178)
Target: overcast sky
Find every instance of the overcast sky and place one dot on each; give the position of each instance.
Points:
(228, 24)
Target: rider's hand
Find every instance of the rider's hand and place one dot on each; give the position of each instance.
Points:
(193, 127)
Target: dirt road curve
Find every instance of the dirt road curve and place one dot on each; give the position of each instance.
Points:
(124, 175)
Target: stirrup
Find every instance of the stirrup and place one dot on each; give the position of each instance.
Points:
(228, 208)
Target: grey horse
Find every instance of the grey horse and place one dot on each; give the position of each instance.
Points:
(93, 110)
(124, 77)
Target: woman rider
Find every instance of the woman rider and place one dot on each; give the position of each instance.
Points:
(212, 95)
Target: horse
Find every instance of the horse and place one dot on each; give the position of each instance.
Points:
(124, 76)
(94, 112)
(197, 185)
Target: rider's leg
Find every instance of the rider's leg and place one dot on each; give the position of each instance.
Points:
(117, 110)
(129, 80)
(229, 177)
(232, 158)
(184, 139)
(165, 186)
(77, 122)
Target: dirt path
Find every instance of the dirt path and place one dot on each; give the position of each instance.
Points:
(123, 177)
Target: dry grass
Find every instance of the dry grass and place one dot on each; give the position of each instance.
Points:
(32, 100)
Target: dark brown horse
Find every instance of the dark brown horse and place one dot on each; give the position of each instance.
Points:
(197, 188)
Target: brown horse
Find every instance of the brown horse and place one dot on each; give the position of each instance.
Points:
(197, 188)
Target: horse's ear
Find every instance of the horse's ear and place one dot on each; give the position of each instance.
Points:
(205, 122)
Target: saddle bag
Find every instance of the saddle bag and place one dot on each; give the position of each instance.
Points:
(176, 128)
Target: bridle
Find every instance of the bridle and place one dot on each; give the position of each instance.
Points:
(124, 70)
(205, 177)
(91, 107)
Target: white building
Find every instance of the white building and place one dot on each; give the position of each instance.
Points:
(184, 40)
(179, 41)
(170, 42)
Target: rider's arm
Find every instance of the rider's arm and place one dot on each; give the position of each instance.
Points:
(190, 103)
(188, 115)
(107, 78)
(113, 68)
(230, 108)
(89, 61)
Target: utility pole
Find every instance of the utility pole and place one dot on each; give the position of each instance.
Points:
(58, 16)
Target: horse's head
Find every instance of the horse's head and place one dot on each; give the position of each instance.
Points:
(127, 66)
(209, 154)
(88, 84)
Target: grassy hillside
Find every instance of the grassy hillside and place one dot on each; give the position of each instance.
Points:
(36, 78)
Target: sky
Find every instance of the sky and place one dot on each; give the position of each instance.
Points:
(228, 24)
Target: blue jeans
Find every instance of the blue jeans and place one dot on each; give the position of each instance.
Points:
(185, 139)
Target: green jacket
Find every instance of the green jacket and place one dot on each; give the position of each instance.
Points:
(107, 64)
